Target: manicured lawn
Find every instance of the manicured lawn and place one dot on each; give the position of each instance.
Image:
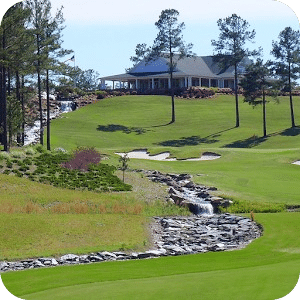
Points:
(267, 269)
(142, 121)
(250, 169)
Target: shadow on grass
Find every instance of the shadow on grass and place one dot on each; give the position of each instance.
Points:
(163, 125)
(254, 140)
(125, 129)
(187, 141)
(250, 142)
(193, 140)
(293, 131)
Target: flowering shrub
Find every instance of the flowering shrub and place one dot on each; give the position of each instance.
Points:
(82, 158)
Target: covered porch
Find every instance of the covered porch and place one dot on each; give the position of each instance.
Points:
(161, 81)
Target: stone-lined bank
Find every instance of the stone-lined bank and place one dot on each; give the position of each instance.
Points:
(184, 192)
(170, 236)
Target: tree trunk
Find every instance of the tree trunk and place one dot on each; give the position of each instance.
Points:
(23, 111)
(237, 116)
(264, 114)
(18, 96)
(171, 86)
(39, 90)
(3, 120)
(48, 110)
(8, 88)
(40, 109)
(291, 99)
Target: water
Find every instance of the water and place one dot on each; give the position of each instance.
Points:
(204, 207)
(66, 106)
(32, 134)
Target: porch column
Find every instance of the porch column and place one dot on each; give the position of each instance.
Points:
(209, 82)
(169, 83)
(136, 84)
(221, 83)
(200, 82)
(120, 83)
(152, 83)
(102, 84)
(185, 82)
(189, 81)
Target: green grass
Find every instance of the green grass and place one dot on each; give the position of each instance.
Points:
(262, 172)
(267, 269)
(142, 121)
(107, 221)
(253, 171)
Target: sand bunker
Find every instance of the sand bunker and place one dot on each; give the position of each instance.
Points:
(165, 156)
(296, 162)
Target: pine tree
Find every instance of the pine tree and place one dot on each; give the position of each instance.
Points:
(255, 83)
(47, 32)
(230, 48)
(287, 64)
(15, 45)
(169, 41)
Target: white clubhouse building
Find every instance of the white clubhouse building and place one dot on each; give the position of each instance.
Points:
(200, 71)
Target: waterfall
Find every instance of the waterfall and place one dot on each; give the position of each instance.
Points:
(66, 106)
(203, 207)
(32, 134)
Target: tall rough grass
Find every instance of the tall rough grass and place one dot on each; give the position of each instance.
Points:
(240, 206)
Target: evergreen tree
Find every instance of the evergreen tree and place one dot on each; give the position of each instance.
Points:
(14, 53)
(169, 41)
(287, 64)
(255, 83)
(47, 34)
(230, 48)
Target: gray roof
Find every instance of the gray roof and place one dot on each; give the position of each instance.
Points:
(198, 66)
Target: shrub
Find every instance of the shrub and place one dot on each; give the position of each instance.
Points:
(82, 158)
(4, 155)
(40, 149)
(9, 164)
(101, 94)
(241, 206)
(30, 151)
(17, 154)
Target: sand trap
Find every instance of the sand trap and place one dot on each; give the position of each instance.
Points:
(296, 162)
(164, 156)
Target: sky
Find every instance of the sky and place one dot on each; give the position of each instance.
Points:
(104, 33)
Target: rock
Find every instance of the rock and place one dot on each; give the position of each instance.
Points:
(142, 255)
(108, 255)
(69, 257)
(177, 199)
(94, 258)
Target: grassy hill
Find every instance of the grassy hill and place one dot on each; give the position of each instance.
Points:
(251, 169)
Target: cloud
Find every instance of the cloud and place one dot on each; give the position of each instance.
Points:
(147, 12)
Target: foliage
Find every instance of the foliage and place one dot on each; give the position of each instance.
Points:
(169, 41)
(255, 84)
(230, 47)
(287, 62)
(76, 82)
(82, 157)
(14, 117)
(242, 206)
(124, 163)
(80, 170)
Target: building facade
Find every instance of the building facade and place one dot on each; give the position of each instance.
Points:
(200, 71)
